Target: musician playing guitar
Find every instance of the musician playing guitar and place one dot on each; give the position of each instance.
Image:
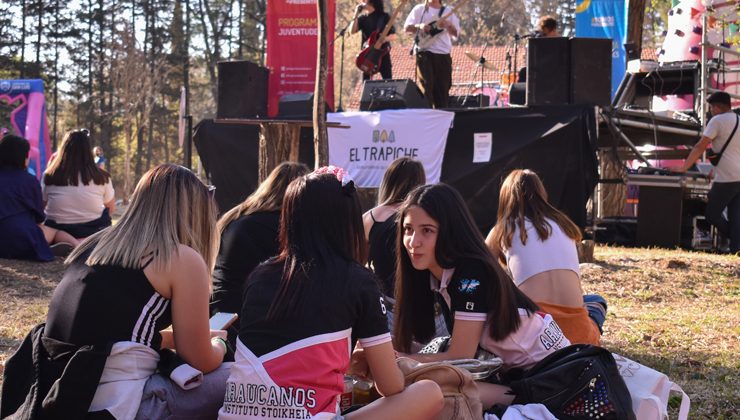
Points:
(434, 26)
(374, 19)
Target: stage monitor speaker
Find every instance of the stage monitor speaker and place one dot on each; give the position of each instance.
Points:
(469, 101)
(297, 106)
(548, 78)
(591, 71)
(391, 94)
(242, 90)
(659, 216)
(518, 94)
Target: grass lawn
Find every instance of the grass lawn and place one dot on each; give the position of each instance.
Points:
(675, 311)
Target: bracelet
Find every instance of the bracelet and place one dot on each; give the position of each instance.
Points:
(223, 342)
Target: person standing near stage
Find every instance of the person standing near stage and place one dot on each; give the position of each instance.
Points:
(374, 19)
(722, 133)
(433, 60)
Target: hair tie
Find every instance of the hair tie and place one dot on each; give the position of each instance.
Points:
(348, 184)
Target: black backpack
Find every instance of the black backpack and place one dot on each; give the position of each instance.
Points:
(578, 382)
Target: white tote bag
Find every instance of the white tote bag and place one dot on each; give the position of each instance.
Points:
(650, 390)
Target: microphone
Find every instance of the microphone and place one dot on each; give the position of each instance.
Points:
(535, 34)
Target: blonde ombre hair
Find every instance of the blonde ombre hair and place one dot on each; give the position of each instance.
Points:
(170, 206)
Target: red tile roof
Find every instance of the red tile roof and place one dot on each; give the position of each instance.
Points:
(465, 73)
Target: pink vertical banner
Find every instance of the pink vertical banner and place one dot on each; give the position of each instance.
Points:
(292, 28)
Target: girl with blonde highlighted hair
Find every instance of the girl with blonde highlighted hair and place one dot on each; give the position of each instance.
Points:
(126, 284)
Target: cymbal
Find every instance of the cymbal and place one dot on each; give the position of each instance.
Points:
(478, 58)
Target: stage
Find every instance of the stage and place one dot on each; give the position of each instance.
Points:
(557, 142)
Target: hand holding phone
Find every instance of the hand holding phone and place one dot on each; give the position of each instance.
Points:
(222, 320)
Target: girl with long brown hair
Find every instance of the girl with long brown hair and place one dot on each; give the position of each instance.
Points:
(249, 236)
(537, 243)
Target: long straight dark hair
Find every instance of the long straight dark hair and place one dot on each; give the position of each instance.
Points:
(403, 175)
(321, 222)
(74, 162)
(458, 240)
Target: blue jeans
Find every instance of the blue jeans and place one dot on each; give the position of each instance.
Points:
(596, 307)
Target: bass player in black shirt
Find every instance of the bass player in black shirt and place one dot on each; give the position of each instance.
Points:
(374, 19)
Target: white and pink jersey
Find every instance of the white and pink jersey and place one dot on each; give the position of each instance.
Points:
(292, 367)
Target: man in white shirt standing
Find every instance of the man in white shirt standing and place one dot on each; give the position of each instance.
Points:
(433, 47)
(725, 192)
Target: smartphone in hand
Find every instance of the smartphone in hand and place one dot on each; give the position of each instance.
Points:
(222, 320)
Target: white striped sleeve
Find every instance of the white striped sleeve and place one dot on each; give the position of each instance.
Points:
(376, 340)
(471, 316)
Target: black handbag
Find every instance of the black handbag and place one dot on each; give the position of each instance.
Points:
(578, 382)
(713, 157)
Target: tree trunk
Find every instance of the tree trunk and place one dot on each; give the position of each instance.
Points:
(320, 134)
(634, 23)
(23, 40)
(278, 143)
(613, 196)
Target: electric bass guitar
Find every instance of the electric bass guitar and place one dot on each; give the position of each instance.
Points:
(370, 58)
(423, 39)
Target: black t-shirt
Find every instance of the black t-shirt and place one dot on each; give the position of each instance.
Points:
(328, 304)
(382, 252)
(246, 242)
(375, 21)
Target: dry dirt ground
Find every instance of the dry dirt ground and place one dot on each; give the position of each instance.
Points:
(676, 311)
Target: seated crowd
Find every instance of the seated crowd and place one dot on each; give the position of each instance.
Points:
(321, 291)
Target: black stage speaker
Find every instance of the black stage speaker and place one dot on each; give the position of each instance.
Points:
(391, 94)
(518, 94)
(297, 106)
(242, 90)
(548, 78)
(469, 101)
(591, 71)
(659, 216)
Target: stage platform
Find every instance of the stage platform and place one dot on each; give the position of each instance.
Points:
(558, 142)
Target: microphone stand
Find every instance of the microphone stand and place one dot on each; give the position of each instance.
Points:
(482, 64)
(341, 63)
(516, 55)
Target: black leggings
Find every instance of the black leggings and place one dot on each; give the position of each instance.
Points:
(83, 230)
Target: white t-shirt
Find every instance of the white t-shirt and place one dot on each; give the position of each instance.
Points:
(441, 43)
(557, 252)
(76, 203)
(719, 129)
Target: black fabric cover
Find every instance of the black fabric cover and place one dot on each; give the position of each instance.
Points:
(554, 141)
(557, 142)
(229, 155)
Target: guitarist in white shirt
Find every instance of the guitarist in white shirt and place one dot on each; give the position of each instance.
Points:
(433, 60)
(374, 19)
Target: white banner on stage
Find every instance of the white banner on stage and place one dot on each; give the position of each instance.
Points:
(375, 139)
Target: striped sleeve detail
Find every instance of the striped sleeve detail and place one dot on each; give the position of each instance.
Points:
(471, 316)
(375, 340)
(145, 326)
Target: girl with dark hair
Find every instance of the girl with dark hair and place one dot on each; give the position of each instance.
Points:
(79, 196)
(538, 244)
(249, 236)
(21, 210)
(444, 265)
(303, 309)
(403, 175)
